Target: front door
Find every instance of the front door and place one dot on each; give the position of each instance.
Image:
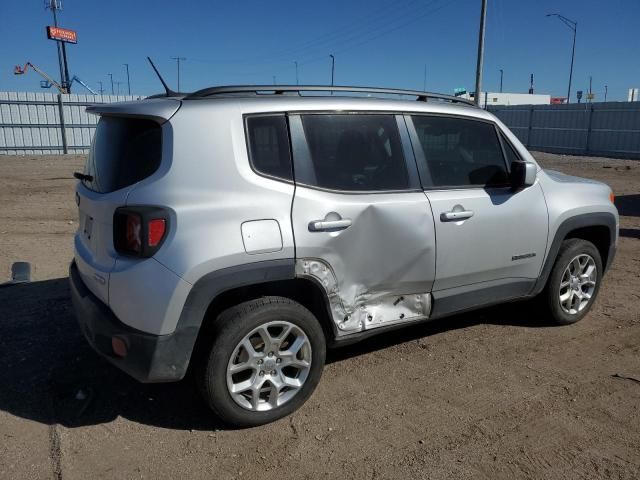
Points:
(362, 225)
(491, 240)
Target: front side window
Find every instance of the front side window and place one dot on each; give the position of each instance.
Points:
(354, 153)
(269, 145)
(509, 151)
(461, 152)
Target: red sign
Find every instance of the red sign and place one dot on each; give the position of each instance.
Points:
(62, 34)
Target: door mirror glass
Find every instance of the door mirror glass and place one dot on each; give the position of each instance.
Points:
(523, 174)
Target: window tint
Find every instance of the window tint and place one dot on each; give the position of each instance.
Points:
(123, 152)
(269, 145)
(511, 154)
(355, 152)
(461, 152)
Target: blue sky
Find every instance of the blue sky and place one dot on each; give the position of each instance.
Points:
(375, 42)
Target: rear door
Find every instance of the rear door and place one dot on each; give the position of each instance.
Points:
(491, 240)
(123, 152)
(362, 225)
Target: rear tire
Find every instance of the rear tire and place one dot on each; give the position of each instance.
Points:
(574, 282)
(265, 361)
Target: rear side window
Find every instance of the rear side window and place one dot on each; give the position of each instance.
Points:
(123, 152)
(461, 152)
(269, 150)
(355, 152)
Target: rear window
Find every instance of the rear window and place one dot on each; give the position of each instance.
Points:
(123, 152)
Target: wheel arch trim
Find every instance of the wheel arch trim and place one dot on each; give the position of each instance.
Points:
(585, 220)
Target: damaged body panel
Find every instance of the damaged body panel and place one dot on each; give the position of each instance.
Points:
(374, 255)
(368, 310)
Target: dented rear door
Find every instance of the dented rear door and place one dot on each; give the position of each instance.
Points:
(363, 228)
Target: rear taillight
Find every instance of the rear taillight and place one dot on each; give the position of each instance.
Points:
(139, 231)
(157, 227)
(133, 240)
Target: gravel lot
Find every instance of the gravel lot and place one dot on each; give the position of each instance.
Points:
(490, 394)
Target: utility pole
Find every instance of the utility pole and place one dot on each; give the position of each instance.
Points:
(333, 68)
(101, 89)
(296, 62)
(501, 75)
(54, 6)
(574, 27)
(424, 79)
(111, 77)
(128, 79)
(178, 60)
(605, 92)
(483, 17)
(531, 85)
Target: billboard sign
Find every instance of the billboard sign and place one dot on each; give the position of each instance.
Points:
(62, 34)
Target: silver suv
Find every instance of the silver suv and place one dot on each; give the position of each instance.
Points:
(236, 232)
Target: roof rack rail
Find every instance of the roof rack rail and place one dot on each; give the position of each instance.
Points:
(282, 89)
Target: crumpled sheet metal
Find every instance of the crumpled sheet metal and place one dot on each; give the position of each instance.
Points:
(363, 310)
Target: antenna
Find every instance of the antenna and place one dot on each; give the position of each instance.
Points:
(170, 93)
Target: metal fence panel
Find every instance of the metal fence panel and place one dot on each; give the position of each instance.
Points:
(606, 129)
(30, 122)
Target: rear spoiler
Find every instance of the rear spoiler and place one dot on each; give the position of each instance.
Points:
(159, 110)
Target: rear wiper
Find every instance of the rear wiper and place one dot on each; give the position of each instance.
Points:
(83, 176)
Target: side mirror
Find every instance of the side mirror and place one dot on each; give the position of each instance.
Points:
(523, 174)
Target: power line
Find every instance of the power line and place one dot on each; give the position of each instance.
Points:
(355, 32)
(379, 34)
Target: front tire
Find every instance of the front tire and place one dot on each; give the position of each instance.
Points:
(574, 282)
(265, 361)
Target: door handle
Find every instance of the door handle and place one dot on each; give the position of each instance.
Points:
(455, 215)
(329, 225)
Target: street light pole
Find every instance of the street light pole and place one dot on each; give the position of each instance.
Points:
(501, 75)
(111, 77)
(605, 92)
(333, 67)
(483, 17)
(297, 83)
(424, 79)
(573, 26)
(128, 80)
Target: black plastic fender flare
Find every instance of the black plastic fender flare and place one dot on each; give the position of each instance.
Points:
(596, 219)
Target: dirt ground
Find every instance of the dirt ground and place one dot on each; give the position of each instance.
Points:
(490, 394)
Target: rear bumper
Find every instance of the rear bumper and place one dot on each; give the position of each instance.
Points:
(150, 358)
